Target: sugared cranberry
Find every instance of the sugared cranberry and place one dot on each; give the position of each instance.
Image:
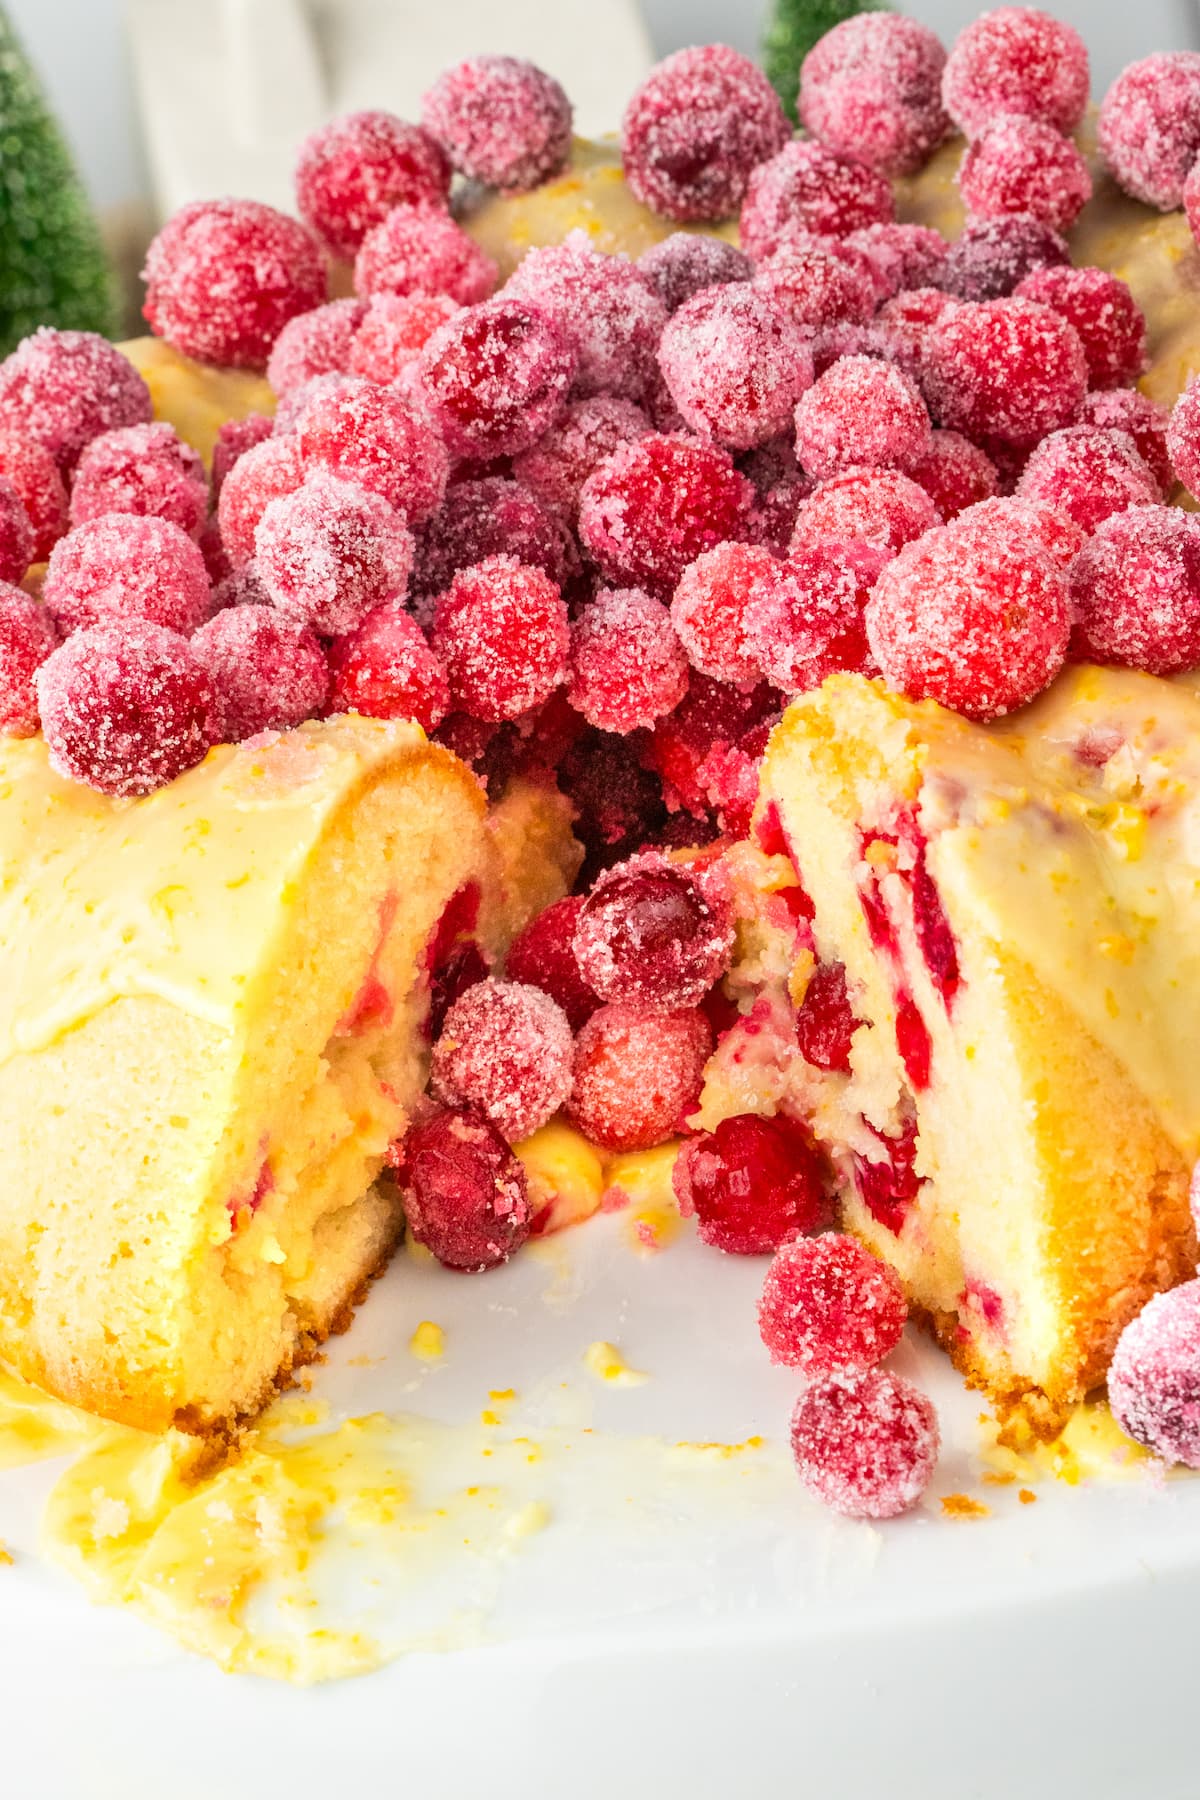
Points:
(694, 131)
(905, 256)
(1032, 521)
(1135, 591)
(735, 365)
(881, 507)
(602, 304)
(714, 714)
(1110, 323)
(627, 666)
(654, 506)
(813, 284)
(752, 1184)
(809, 188)
(489, 517)
(955, 473)
(687, 262)
(557, 466)
(331, 552)
(234, 438)
(27, 636)
(505, 1050)
(314, 343)
(709, 609)
(501, 631)
(223, 277)
(865, 1443)
(126, 706)
(34, 475)
(465, 1193)
(1087, 473)
(216, 560)
(992, 257)
(1154, 1377)
(1183, 437)
(637, 1074)
(861, 413)
(144, 469)
(654, 933)
(1016, 60)
(295, 406)
(618, 803)
(352, 172)
(16, 534)
(1005, 371)
(805, 617)
(367, 435)
(495, 377)
(268, 671)
(268, 472)
(977, 618)
(500, 120)
(828, 1304)
(1019, 165)
(1191, 200)
(393, 332)
(1125, 409)
(420, 250)
(872, 88)
(825, 1021)
(123, 566)
(1149, 126)
(63, 388)
(386, 670)
(543, 956)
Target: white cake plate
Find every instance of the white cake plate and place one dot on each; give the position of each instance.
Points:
(702, 1640)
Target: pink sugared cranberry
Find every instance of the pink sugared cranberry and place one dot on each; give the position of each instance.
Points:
(695, 130)
(63, 388)
(1125, 409)
(805, 617)
(752, 1184)
(974, 617)
(655, 933)
(603, 304)
(654, 506)
(295, 406)
(905, 256)
(234, 438)
(268, 670)
(1135, 591)
(1033, 521)
(27, 636)
(393, 332)
(872, 88)
(543, 956)
(490, 517)
(121, 566)
(332, 552)
(813, 284)
(637, 1074)
(1019, 165)
(825, 1021)
(687, 262)
(505, 1050)
(735, 365)
(386, 670)
(873, 506)
(1149, 126)
(34, 476)
(143, 469)
(955, 473)
(709, 609)
(1191, 200)
(314, 343)
(992, 257)
(1183, 437)
(1110, 323)
(557, 466)
(500, 120)
(806, 187)
(126, 706)
(1005, 371)
(465, 1193)
(223, 277)
(627, 666)
(16, 534)
(865, 1443)
(420, 250)
(861, 413)
(265, 472)
(495, 377)
(353, 171)
(1016, 60)
(367, 435)
(501, 631)
(1087, 473)
(1154, 1377)
(829, 1304)
(713, 717)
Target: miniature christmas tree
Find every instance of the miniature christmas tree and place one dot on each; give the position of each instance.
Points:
(53, 270)
(792, 28)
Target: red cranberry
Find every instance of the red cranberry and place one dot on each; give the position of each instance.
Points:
(655, 933)
(420, 250)
(735, 365)
(1005, 371)
(501, 631)
(872, 88)
(34, 475)
(367, 435)
(350, 174)
(1110, 323)
(268, 671)
(465, 1194)
(143, 469)
(1183, 437)
(1135, 591)
(992, 257)
(543, 956)
(1019, 165)
(627, 665)
(905, 256)
(601, 303)
(495, 377)
(825, 1021)
(1149, 126)
(1087, 473)
(394, 331)
(63, 388)
(234, 438)
(1016, 60)
(1154, 1378)
(500, 120)
(261, 474)
(27, 636)
(889, 1185)
(504, 1049)
(315, 343)
(654, 506)
(753, 1184)
(861, 413)
(709, 609)
(332, 552)
(637, 1074)
(828, 1304)
(123, 566)
(386, 670)
(557, 466)
(714, 714)
(687, 262)
(805, 617)
(490, 517)
(880, 507)
(812, 283)
(618, 803)
(806, 187)
(865, 1443)
(955, 473)
(16, 534)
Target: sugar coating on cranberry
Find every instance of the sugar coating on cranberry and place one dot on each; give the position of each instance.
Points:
(812, 283)
(825, 1021)
(714, 716)
(331, 552)
(63, 388)
(872, 88)
(557, 466)
(16, 534)
(386, 670)
(654, 506)
(495, 377)
(709, 609)
(500, 120)
(34, 476)
(1154, 1376)
(1005, 371)
(234, 438)
(1110, 323)
(1088, 473)
(602, 304)
(543, 956)
(977, 618)
(314, 343)
(865, 1442)
(1183, 437)
(144, 469)
(627, 666)
(637, 1074)
(687, 262)
(393, 331)
(805, 617)
(809, 188)
(828, 1304)
(366, 434)
(752, 1184)
(27, 636)
(1125, 409)
(420, 250)
(1149, 126)
(353, 171)
(735, 364)
(695, 130)
(261, 474)
(268, 670)
(126, 706)
(881, 507)
(492, 516)
(955, 473)
(295, 406)
(905, 256)
(1016, 60)
(991, 257)
(465, 1194)
(501, 631)
(1045, 527)
(655, 933)
(1135, 590)
(1019, 165)
(505, 1050)
(860, 413)
(127, 567)
(1191, 200)
(241, 587)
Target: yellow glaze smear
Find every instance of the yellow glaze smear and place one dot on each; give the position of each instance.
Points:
(607, 1364)
(570, 1179)
(34, 1426)
(193, 397)
(428, 1342)
(1090, 1447)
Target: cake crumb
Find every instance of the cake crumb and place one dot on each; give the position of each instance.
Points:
(606, 1362)
(962, 1506)
(1026, 1496)
(998, 1477)
(428, 1342)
